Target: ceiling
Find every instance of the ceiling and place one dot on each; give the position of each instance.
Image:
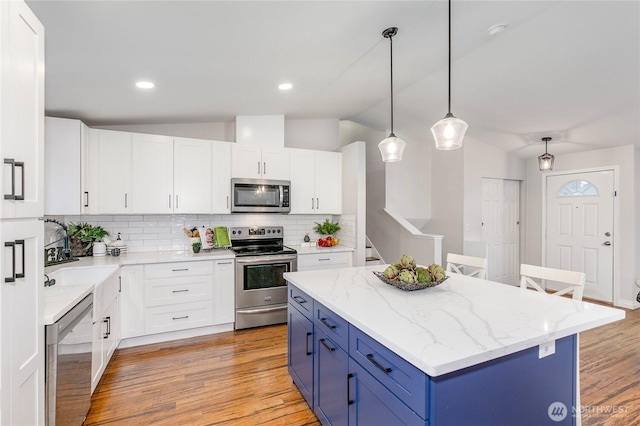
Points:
(565, 69)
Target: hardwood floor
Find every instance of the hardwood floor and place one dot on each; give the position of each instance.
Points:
(233, 378)
(241, 378)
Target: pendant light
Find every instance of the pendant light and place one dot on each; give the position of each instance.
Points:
(392, 146)
(449, 132)
(545, 161)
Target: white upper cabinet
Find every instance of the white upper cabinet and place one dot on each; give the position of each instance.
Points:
(221, 178)
(259, 162)
(66, 179)
(191, 168)
(22, 112)
(152, 173)
(316, 182)
(110, 154)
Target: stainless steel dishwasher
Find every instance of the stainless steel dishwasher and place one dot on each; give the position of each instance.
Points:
(68, 372)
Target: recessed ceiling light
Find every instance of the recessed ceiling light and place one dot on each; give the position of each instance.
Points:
(145, 85)
(285, 86)
(496, 29)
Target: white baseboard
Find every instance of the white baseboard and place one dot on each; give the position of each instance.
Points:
(174, 335)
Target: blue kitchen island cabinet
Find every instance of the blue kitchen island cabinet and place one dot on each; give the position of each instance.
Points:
(300, 342)
(468, 352)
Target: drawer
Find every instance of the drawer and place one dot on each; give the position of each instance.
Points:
(178, 269)
(167, 291)
(403, 379)
(324, 260)
(302, 301)
(160, 319)
(333, 325)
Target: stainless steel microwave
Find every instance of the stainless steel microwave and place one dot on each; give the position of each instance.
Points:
(260, 196)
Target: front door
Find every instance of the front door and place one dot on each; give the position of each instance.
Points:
(579, 235)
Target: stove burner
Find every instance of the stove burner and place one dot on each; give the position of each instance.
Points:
(258, 241)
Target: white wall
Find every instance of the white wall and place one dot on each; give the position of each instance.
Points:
(410, 180)
(320, 134)
(222, 131)
(447, 198)
(626, 241)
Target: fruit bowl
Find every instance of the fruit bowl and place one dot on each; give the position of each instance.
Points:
(408, 286)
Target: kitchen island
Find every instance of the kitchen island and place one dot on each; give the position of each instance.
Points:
(468, 351)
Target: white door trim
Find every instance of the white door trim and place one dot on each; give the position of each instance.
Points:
(616, 220)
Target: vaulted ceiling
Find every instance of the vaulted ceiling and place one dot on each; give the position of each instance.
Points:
(565, 69)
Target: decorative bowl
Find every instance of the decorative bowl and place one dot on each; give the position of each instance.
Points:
(408, 286)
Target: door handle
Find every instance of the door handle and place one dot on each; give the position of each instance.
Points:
(21, 274)
(12, 277)
(264, 168)
(21, 165)
(607, 234)
(11, 162)
(607, 243)
(86, 199)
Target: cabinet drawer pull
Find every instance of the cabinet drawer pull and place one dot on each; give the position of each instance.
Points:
(180, 269)
(324, 259)
(12, 195)
(225, 263)
(125, 200)
(318, 203)
(169, 200)
(179, 318)
(21, 274)
(105, 335)
(307, 344)
(177, 206)
(349, 400)
(180, 291)
(86, 199)
(11, 278)
(326, 345)
(21, 165)
(264, 168)
(327, 323)
(385, 370)
(299, 299)
(312, 203)
(258, 167)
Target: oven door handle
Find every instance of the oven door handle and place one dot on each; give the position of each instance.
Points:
(252, 260)
(262, 310)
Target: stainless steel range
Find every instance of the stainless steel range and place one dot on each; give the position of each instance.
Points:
(261, 290)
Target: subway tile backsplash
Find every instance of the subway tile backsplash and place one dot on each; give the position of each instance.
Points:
(145, 233)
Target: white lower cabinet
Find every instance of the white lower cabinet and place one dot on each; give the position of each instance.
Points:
(106, 326)
(331, 260)
(173, 296)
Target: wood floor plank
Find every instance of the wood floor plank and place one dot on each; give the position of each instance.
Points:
(240, 378)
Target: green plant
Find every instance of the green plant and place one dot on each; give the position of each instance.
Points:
(196, 245)
(328, 227)
(86, 233)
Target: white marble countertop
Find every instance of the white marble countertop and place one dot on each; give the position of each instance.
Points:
(60, 298)
(302, 250)
(462, 322)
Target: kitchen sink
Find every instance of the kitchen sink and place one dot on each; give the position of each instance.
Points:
(82, 275)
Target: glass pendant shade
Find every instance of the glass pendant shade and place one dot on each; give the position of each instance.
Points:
(391, 148)
(449, 132)
(545, 162)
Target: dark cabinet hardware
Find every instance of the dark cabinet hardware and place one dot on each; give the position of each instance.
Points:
(307, 344)
(299, 299)
(326, 345)
(11, 162)
(178, 318)
(385, 370)
(21, 274)
(349, 400)
(12, 277)
(327, 323)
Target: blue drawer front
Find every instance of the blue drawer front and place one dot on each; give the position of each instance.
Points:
(301, 300)
(517, 389)
(336, 328)
(404, 380)
(373, 404)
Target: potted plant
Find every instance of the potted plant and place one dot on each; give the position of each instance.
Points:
(196, 247)
(82, 236)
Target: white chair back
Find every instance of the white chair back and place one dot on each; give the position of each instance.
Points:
(457, 261)
(574, 280)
